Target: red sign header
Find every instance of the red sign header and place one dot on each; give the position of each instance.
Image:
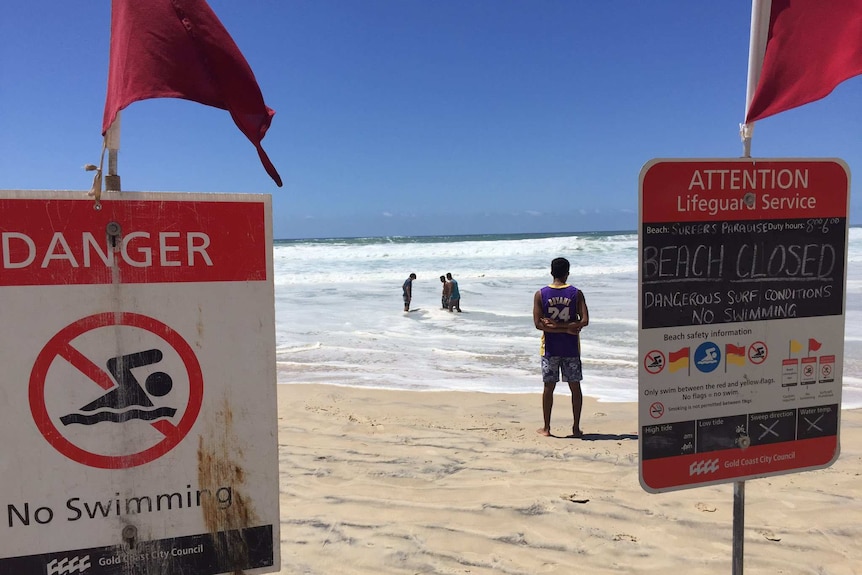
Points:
(68, 242)
(745, 189)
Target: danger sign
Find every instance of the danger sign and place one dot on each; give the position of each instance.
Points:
(138, 347)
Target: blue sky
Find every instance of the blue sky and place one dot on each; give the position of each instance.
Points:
(407, 117)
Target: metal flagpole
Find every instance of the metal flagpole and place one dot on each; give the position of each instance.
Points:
(112, 143)
(760, 10)
(738, 526)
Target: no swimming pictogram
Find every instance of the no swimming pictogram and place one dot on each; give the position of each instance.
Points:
(654, 361)
(757, 352)
(75, 430)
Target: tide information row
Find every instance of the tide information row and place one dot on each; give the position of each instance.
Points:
(736, 431)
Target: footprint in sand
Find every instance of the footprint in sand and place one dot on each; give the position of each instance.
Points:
(574, 498)
(768, 535)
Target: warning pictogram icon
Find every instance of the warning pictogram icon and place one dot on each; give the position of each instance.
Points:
(132, 411)
(654, 361)
(757, 352)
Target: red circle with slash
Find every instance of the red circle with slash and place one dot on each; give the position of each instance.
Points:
(60, 347)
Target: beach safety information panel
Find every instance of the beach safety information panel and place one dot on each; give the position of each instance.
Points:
(741, 341)
(138, 385)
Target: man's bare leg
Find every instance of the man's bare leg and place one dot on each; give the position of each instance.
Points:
(547, 406)
(577, 404)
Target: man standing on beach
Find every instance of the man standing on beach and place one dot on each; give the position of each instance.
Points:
(560, 312)
(454, 294)
(407, 288)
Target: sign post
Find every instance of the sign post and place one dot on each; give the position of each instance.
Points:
(138, 345)
(742, 282)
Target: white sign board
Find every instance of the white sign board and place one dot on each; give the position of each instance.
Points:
(138, 351)
(741, 342)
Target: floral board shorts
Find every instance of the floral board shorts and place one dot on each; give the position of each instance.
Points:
(569, 367)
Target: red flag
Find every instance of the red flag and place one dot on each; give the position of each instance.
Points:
(813, 344)
(812, 46)
(180, 49)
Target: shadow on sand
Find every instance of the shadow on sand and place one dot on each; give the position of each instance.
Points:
(603, 437)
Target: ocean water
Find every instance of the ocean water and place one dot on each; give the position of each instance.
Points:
(340, 318)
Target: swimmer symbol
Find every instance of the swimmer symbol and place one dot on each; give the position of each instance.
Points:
(128, 400)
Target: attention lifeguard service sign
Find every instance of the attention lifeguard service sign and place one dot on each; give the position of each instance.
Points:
(742, 294)
(138, 385)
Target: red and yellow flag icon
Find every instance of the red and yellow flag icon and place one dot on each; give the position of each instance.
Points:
(678, 359)
(734, 354)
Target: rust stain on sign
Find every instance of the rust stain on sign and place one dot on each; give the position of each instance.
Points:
(221, 473)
